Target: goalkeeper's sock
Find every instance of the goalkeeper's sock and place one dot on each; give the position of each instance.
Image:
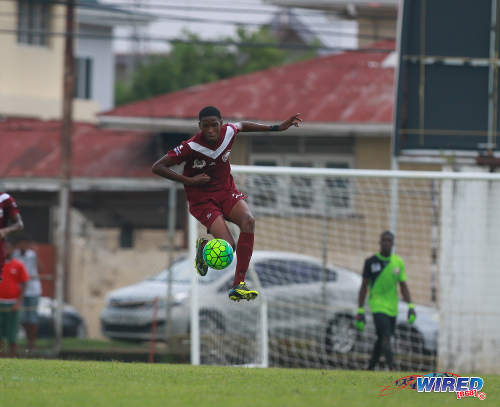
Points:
(244, 250)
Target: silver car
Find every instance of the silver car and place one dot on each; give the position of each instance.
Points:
(306, 303)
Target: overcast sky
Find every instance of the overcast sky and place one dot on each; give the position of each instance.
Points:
(167, 12)
(218, 17)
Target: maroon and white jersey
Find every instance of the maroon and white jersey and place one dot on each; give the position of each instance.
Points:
(199, 157)
(8, 209)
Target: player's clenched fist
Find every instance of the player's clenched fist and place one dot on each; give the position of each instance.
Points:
(360, 319)
(412, 315)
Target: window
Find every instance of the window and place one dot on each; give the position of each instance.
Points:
(276, 272)
(265, 187)
(180, 274)
(271, 273)
(338, 190)
(126, 237)
(83, 82)
(301, 188)
(301, 195)
(33, 22)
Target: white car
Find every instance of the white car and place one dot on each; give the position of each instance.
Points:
(305, 302)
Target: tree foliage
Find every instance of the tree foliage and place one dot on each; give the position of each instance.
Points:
(190, 63)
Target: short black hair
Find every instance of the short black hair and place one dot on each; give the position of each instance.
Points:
(387, 233)
(209, 111)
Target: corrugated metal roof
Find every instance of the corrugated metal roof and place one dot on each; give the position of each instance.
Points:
(30, 148)
(345, 88)
(352, 87)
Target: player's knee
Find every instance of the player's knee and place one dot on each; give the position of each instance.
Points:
(232, 243)
(248, 223)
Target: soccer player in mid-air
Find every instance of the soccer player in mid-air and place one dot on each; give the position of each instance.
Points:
(210, 188)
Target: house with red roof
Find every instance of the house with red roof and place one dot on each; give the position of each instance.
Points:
(346, 101)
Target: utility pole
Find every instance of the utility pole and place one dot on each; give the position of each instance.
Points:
(64, 235)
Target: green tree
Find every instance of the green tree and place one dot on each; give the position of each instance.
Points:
(191, 64)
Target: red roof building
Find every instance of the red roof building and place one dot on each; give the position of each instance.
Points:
(347, 88)
(112, 181)
(31, 149)
(346, 101)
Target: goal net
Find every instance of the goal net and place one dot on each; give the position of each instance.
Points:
(314, 230)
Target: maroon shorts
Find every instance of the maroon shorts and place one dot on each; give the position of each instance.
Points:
(214, 205)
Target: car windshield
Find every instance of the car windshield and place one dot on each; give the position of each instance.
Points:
(180, 274)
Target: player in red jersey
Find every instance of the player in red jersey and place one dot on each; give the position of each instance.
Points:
(8, 212)
(12, 289)
(210, 188)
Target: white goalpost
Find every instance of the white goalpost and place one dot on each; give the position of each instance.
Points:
(314, 229)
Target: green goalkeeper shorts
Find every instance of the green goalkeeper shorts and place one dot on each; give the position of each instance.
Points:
(9, 323)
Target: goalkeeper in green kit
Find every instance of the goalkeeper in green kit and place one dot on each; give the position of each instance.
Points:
(381, 275)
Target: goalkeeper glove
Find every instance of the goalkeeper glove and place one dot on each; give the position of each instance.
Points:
(411, 313)
(360, 319)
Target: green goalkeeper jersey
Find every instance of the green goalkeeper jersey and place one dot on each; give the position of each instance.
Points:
(384, 274)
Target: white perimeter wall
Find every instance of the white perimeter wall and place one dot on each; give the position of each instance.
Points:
(470, 277)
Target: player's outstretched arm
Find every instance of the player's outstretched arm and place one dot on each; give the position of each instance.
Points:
(162, 168)
(294, 120)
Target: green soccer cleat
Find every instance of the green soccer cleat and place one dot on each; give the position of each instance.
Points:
(199, 263)
(242, 292)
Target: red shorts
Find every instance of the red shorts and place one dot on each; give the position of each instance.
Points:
(214, 205)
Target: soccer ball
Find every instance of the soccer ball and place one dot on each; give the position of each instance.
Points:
(218, 254)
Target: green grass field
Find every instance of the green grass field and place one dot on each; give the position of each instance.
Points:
(53, 383)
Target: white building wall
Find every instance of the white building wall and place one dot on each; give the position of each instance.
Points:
(31, 77)
(101, 52)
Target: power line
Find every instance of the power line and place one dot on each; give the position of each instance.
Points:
(260, 10)
(229, 7)
(208, 21)
(199, 42)
(242, 23)
(162, 6)
(202, 6)
(327, 33)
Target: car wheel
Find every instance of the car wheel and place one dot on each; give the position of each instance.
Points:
(340, 335)
(408, 340)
